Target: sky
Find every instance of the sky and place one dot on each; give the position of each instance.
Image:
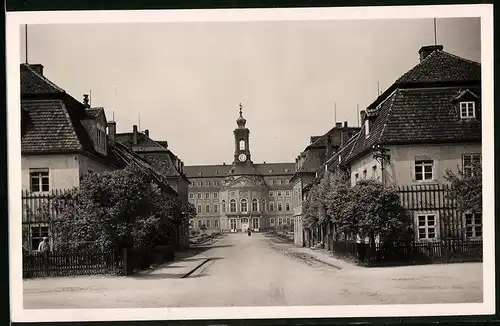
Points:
(183, 81)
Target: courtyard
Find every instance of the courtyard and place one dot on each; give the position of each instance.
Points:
(259, 270)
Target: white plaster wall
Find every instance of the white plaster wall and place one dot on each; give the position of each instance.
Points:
(401, 169)
(63, 170)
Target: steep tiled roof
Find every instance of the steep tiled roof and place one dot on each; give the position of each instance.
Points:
(144, 143)
(163, 143)
(94, 112)
(312, 161)
(265, 169)
(33, 83)
(340, 156)
(52, 128)
(417, 116)
(163, 164)
(441, 66)
(130, 158)
(152, 151)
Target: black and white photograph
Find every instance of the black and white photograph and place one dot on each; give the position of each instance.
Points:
(279, 163)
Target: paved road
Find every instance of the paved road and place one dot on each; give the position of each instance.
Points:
(257, 271)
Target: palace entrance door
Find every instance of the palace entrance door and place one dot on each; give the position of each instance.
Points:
(245, 224)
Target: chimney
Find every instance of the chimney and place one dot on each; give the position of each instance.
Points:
(345, 124)
(146, 132)
(182, 167)
(134, 135)
(362, 114)
(338, 124)
(86, 101)
(428, 49)
(37, 67)
(223, 163)
(112, 130)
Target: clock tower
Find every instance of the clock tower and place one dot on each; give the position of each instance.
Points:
(241, 141)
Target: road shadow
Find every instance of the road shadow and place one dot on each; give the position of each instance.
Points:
(157, 276)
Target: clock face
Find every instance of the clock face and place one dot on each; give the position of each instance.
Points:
(242, 157)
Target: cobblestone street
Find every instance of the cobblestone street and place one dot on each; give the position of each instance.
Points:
(259, 270)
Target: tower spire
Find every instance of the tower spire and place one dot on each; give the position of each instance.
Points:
(241, 121)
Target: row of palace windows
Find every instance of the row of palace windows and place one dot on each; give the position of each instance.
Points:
(215, 223)
(424, 169)
(243, 207)
(207, 183)
(215, 195)
(215, 183)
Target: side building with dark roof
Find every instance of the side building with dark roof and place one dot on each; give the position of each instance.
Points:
(243, 195)
(62, 139)
(427, 122)
(306, 169)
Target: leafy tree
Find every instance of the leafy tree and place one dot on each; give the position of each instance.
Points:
(372, 209)
(117, 208)
(336, 198)
(467, 188)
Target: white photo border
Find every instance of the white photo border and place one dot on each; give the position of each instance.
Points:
(14, 22)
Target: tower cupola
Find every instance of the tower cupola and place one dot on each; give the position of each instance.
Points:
(241, 121)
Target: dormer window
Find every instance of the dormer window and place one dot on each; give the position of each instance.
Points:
(467, 110)
(367, 128)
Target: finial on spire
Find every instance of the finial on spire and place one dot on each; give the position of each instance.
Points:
(241, 121)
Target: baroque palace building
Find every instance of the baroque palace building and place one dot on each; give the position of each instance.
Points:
(242, 196)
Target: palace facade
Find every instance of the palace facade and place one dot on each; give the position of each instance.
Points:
(242, 196)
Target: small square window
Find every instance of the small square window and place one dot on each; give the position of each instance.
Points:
(427, 226)
(423, 170)
(39, 180)
(467, 110)
(473, 225)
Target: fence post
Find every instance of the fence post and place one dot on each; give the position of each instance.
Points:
(46, 263)
(125, 261)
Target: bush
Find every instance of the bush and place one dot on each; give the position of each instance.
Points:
(117, 208)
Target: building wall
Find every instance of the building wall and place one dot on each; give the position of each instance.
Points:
(63, 170)
(401, 170)
(267, 219)
(87, 165)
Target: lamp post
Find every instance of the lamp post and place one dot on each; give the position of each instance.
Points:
(380, 153)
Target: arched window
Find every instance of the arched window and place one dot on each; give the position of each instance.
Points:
(232, 205)
(223, 206)
(242, 145)
(244, 206)
(255, 205)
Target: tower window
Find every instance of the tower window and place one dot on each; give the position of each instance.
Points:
(242, 145)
